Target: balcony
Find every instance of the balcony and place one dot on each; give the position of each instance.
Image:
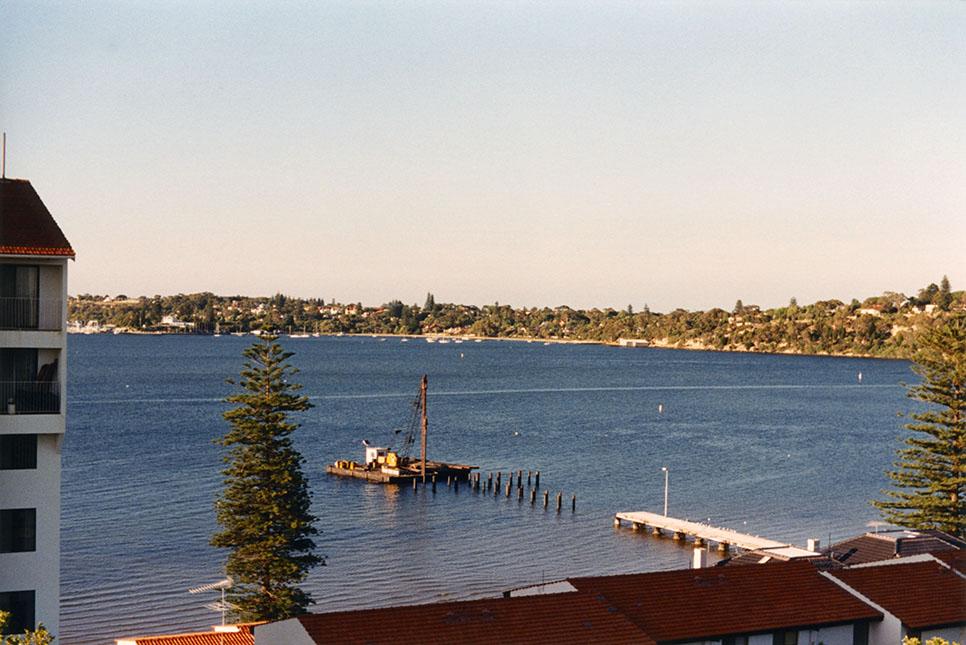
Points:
(29, 397)
(31, 313)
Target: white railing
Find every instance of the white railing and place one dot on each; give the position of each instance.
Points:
(31, 313)
(29, 397)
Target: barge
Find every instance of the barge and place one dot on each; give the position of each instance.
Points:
(387, 466)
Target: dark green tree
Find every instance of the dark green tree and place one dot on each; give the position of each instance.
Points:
(430, 303)
(930, 473)
(944, 297)
(264, 507)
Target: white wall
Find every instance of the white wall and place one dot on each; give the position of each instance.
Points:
(40, 488)
(887, 632)
(38, 570)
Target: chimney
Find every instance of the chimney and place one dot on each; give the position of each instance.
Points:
(813, 544)
(700, 558)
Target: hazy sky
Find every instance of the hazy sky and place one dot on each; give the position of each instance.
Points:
(592, 153)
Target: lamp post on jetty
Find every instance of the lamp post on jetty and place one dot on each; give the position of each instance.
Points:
(664, 468)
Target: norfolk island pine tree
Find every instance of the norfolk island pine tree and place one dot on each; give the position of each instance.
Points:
(930, 472)
(264, 508)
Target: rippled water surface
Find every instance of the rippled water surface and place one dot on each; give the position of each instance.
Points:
(787, 447)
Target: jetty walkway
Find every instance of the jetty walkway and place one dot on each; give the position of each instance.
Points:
(701, 533)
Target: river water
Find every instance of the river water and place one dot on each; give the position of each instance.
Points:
(786, 447)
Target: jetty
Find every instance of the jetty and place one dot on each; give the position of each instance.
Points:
(702, 533)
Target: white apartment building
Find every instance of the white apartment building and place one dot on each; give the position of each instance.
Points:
(33, 341)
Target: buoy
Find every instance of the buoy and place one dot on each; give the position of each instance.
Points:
(660, 408)
(860, 377)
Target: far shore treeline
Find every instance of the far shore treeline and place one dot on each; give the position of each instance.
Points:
(883, 326)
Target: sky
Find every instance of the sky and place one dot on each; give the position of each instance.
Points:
(683, 154)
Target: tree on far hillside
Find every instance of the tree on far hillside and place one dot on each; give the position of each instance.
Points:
(739, 307)
(430, 304)
(930, 473)
(944, 297)
(264, 506)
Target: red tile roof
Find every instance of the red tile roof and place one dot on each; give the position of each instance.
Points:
(245, 636)
(552, 619)
(939, 596)
(955, 559)
(873, 547)
(702, 603)
(26, 226)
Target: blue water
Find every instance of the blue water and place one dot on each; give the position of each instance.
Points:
(788, 447)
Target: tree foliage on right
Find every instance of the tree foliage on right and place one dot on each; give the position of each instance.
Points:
(930, 472)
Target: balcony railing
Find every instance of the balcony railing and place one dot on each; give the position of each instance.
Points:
(29, 397)
(44, 314)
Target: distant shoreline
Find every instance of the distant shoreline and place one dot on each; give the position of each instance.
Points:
(690, 346)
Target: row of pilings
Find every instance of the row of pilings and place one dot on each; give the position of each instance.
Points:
(511, 486)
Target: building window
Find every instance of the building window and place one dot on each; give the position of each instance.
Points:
(734, 640)
(26, 387)
(18, 530)
(19, 291)
(860, 634)
(785, 637)
(18, 451)
(20, 605)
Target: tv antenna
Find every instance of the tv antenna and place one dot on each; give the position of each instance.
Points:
(221, 605)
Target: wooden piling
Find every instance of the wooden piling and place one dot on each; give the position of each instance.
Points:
(678, 536)
(456, 485)
(635, 526)
(617, 521)
(434, 482)
(698, 541)
(529, 478)
(537, 480)
(447, 481)
(533, 496)
(508, 487)
(723, 547)
(489, 482)
(546, 498)
(520, 477)
(573, 503)
(559, 501)
(414, 483)
(656, 531)
(520, 492)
